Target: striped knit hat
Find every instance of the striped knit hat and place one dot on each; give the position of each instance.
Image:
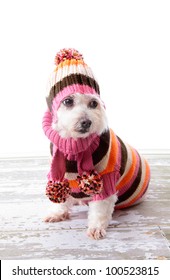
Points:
(70, 76)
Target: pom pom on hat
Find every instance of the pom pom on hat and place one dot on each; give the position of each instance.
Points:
(69, 54)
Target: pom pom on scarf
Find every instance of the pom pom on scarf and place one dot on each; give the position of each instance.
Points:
(58, 192)
(90, 183)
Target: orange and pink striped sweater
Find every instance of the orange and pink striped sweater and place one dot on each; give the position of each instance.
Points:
(123, 171)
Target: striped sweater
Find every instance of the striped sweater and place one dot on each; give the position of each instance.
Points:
(122, 169)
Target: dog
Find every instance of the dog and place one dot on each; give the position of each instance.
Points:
(90, 164)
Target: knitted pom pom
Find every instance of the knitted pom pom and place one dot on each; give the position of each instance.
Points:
(67, 54)
(58, 192)
(90, 183)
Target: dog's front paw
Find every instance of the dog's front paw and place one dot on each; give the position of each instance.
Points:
(54, 218)
(96, 233)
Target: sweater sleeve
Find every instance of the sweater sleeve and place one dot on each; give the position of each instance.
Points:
(109, 183)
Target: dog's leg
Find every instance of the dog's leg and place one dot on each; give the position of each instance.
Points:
(100, 213)
(60, 211)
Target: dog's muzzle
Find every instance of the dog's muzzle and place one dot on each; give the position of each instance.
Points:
(84, 126)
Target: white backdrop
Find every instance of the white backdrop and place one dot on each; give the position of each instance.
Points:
(127, 45)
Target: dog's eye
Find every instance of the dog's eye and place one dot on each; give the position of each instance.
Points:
(68, 102)
(93, 104)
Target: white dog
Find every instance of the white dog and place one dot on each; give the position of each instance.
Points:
(77, 126)
(86, 115)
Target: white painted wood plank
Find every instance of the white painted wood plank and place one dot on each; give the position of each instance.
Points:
(140, 232)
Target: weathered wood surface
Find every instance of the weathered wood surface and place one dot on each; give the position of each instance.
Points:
(140, 232)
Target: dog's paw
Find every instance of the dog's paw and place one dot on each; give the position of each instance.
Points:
(96, 233)
(54, 218)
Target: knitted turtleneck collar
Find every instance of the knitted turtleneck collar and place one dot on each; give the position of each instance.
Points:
(68, 146)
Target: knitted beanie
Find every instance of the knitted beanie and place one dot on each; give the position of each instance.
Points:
(71, 75)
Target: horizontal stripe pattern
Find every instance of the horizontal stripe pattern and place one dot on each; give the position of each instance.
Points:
(130, 176)
(113, 161)
(65, 69)
(124, 171)
(123, 156)
(69, 62)
(137, 189)
(128, 190)
(103, 147)
(127, 167)
(74, 79)
(67, 73)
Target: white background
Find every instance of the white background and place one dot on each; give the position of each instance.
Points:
(127, 45)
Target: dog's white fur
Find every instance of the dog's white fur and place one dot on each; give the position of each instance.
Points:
(69, 119)
(68, 124)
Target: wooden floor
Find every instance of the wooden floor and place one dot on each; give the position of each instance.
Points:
(140, 232)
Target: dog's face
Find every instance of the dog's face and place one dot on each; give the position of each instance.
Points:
(80, 115)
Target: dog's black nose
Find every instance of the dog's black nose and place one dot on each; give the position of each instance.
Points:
(86, 124)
